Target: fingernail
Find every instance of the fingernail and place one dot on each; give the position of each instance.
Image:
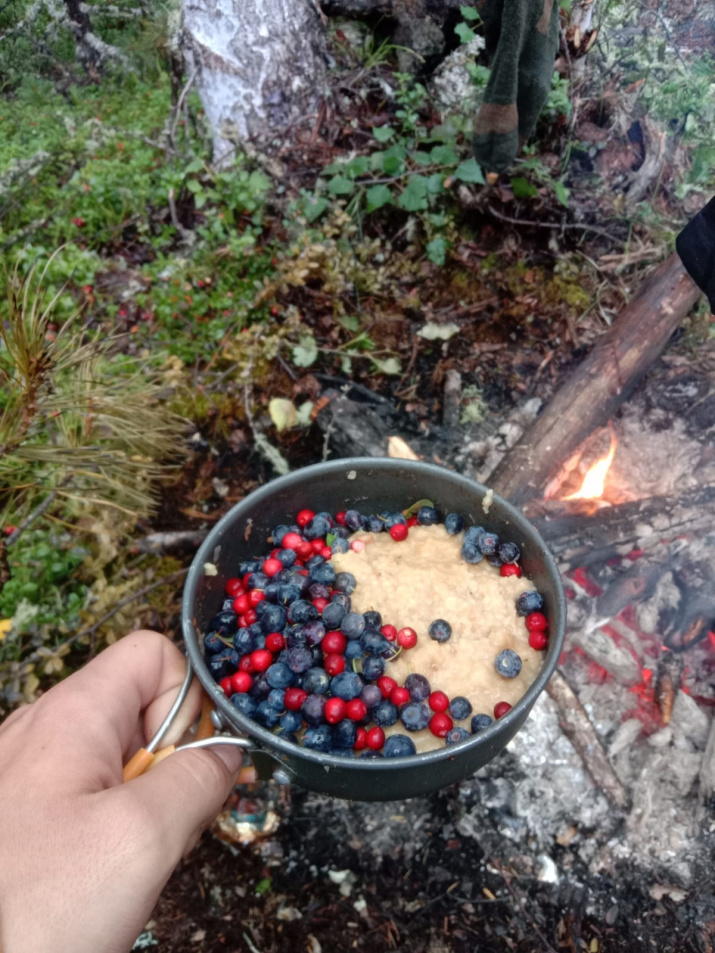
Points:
(231, 755)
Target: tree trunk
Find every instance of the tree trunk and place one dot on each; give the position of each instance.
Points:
(259, 65)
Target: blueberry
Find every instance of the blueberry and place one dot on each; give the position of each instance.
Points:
(340, 546)
(272, 592)
(415, 716)
(384, 713)
(248, 566)
(295, 635)
(399, 746)
(508, 663)
(345, 733)
(346, 685)
(315, 561)
(371, 696)
(282, 657)
(317, 654)
(276, 699)
(440, 630)
(222, 664)
(317, 527)
(287, 735)
(323, 573)
(495, 561)
(284, 576)
(213, 644)
(353, 625)
(258, 580)
(353, 650)
(255, 630)
(316, 681)
(529, 602)
(318, 739)
(319, 590)
(313, 709)
(288, 593)
(332, 615)
(418, 687)
(372, 754)
(287, 558)
(460, 708)
(340, 532)
(343, 752)
(374, 524)
(261, 687)
(374, 643)
(328, 517)
(455, 735)
(473, 534)
(341, 599)
(244, 642)
(279, 675)
(509, 553)
(225, 623)
(261, 608)
(300, 659)
(480, 722)
(392, 519)
(471, 553)
(302, 611)
(454, 523)
(244, 704)
(278, 532)
(227, 605)
(314, 632)
(345, 582)
(373, 620)
(259, 641)
(291, 721)
(273, 618)
(353, 520)
(373, 667)
(427, 516)
(488, 544)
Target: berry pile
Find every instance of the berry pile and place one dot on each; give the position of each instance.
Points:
(290, 653)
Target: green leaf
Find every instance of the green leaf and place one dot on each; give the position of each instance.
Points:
(302, 417)
(193, 185)
(435, 183)
(437, 253)
(412, 510)
(562, 193)
(389, 366)
(445, 155)
(340, 185)
(469, 13)
(393, 160)
(330, 539)
(350, 322)
(383, 133)
(357, 166)
(438, 332)
(305, 352)
(469, 171)
(523, 189)
(464, 33)
(196, 165)
(282, 413)
(421, 158)
(377, 196)
(413, 198)
(200, 200)
(346, 365)
(263, 886)
(313, 207)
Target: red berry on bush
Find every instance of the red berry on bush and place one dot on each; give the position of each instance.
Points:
(501, 708)
(375, 738)
(356, 709)
(291, 541)
(399, 532)
(334, 664)
(510, 569)
(294, 698)
(275, 642)
(241, 682)
(234, 587)
(334, 642)
(438, 701)
(361, 740)
(440, 724)
(304, 517)
(261, 659)
(538, 639)
(407, 638)
(389, 631)
(536, 621)
(241, 603)
(255, 596)
(320, 603)
(340, 518)
(272, 566)
(386, 685)
(399, 696)
(246, 664)
(225, 684)
(335, 710)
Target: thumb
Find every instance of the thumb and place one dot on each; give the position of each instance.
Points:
(183, 794)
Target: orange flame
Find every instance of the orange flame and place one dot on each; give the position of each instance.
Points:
(595, 479)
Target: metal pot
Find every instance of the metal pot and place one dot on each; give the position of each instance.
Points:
(370, 485)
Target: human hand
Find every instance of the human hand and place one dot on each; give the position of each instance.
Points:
(84, 857)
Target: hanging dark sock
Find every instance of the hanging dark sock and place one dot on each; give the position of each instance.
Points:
(696, 247)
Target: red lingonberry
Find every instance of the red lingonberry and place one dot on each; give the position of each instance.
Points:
(412, 521)
(291, 541)
(320, 603)
(241, 603)
(334, 642)
(438, 701)
(275, 553)
(386, 685)
(234, 587)
(225, 684)
(294, 698)
(510, 569)
(334, 664)
(399, 696)
(358, 545)
(407, 638)
(317, 545)
(305, 550)
(501, 708)
(361, 740)
(440, 724)
(335, 710)
(250, 617)
(356, 709)
(272, 566)
(255, 596)
(389, 631)
(375, 738)
(535, 621)
(246, 577)
(242, 622)
(261, 659)
(326, 552)
(340, 518)
(275, 642)
(399, 532)
(304, 517)
(246, 664)
(241, 682)
(538, 639)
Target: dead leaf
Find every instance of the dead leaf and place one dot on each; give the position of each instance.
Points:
(283, 413)
(399, 449)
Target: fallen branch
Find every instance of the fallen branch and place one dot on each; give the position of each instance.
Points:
(162, 543)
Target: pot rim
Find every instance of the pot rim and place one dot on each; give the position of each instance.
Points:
(275, 745)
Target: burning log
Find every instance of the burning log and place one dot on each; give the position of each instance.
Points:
(600, 384)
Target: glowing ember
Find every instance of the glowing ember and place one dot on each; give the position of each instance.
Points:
(595, 479)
